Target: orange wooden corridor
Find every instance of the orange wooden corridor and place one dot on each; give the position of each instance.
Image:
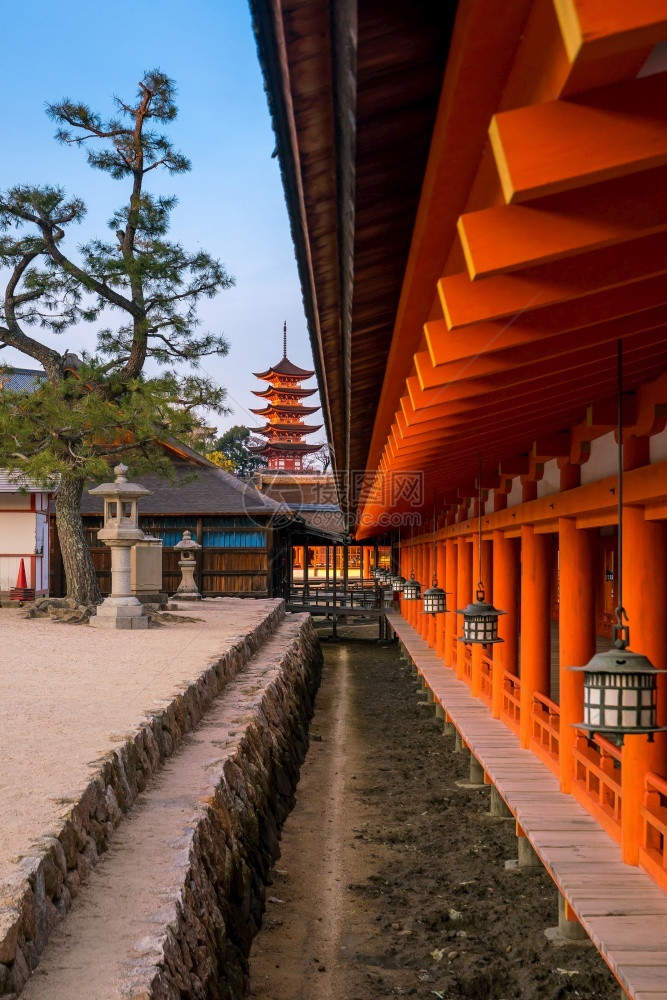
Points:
(619, 906)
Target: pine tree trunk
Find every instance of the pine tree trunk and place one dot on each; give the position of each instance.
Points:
(82, 585)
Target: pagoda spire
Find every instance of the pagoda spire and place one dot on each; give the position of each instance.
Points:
(285, 339)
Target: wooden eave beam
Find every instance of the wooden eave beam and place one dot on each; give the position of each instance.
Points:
(509, 238)
(465, 302)
(459, 138)
(430, 375)
(608, 27)
(600, 307)
(465, 434)
(560, 145)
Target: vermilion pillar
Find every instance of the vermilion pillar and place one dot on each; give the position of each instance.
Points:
(463, 592)
(576, 632)
(432, 619)
(366, 562)
(535, 623)
(644, 598)
(426, 620)
(441, 567)
(451, 586)
(505, 595)
(419, 573)
(487, 569)
(477, 651)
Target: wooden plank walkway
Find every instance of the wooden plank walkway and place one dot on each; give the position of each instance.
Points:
(622, 910)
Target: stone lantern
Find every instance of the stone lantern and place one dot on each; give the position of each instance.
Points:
(187, 588)
(120, 532)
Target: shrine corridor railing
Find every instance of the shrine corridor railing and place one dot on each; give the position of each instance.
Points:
(597, 781)
(486, 680)
(653, 851)
(510, 711)
(545, 730)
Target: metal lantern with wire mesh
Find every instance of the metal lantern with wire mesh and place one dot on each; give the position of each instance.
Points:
(435, 599)
(620, 692)
(412, 589)
(620, 687)
(398, 583)
(480, 622)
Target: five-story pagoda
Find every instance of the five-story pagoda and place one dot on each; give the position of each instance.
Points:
(284, 411)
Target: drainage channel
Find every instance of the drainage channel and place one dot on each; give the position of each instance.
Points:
(392, 877)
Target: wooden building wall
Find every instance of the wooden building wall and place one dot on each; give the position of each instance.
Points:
(240, 556)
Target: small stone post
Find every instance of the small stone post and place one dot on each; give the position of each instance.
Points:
(187, 588)
(120, 532)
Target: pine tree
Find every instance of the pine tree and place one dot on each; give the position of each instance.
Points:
(234, 445)
(137, 292)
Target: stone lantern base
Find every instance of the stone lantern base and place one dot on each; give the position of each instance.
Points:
(187, 595)
(118, 612)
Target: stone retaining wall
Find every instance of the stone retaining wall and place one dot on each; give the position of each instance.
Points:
(41, 892)
(200, 946)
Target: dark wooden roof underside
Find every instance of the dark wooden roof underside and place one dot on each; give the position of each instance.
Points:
(353, 90)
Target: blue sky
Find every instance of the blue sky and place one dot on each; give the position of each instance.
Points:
(231, 203)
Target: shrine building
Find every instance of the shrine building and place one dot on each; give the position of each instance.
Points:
(478, 200)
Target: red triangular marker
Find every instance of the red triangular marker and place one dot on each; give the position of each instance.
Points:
(21, 582)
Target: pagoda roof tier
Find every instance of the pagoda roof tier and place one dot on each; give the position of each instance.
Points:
(277, 390)
(289, 428)
(285, 367)
(293, 409)
(284, 448)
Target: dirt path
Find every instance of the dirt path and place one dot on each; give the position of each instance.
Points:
(392, 880)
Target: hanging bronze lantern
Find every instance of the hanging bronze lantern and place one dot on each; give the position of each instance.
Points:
(398, 583)
(480, 619)
(412, 589)
(480, 622)
(620, 694)
(435, 598)
(620, 686)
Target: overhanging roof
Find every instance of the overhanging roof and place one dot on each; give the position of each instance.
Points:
(353, 90)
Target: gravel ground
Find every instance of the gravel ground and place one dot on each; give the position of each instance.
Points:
(71, 693)
(392, 879)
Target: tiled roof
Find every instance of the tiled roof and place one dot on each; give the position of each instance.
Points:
(323, 520)
(285, 367)
(204, 490)
(12, 482)
(20, 379)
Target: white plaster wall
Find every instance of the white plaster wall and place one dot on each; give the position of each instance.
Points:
(658, 447)
(488, 506)
(602, 461)
(550, 481)
(18, 532)
(516, 493)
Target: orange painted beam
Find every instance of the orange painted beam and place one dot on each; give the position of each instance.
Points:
(560, 145)
(643, 485)
(466, 302)
(482, 416)
(458, 140)
(524, 372)
(484, 429)
(607, 27)
(611, 304)
(431, 375)
(482, 432)
(548, 66)
(507, 238)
